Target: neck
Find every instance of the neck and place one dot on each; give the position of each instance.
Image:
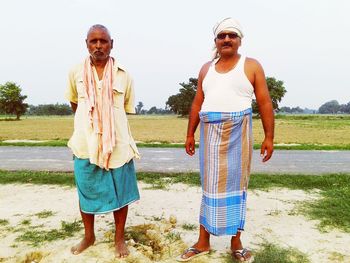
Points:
(226, 58)
(226, 63)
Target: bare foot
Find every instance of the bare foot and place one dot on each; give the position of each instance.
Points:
(84, 244)
(121, 250)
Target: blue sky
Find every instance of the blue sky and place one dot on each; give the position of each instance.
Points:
(162, 43)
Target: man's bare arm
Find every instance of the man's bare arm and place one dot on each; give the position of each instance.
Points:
(266, 111)
(193, 120)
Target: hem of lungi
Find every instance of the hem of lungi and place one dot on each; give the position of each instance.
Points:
(224, 234)
(110, 210)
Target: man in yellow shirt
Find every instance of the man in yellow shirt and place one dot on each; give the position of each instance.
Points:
(101, 93)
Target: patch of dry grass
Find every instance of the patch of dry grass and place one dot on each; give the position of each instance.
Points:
(319, 131)
(37, 128)
(34, 256)
(157, 241)
(172, 129)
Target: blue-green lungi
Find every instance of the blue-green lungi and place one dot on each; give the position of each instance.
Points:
(101, 191)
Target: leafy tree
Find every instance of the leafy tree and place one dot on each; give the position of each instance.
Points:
(11, 100)
(182, 101)
(330, 107)
(344, 108)
(276, 90)
(152, 110)
(139, 107)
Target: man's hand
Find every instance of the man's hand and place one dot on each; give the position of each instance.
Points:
(266, 149)
(74, 106)
(190, 145)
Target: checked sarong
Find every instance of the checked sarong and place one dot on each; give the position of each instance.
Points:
(225, 156)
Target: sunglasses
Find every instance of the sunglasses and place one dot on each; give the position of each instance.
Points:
(230, 35)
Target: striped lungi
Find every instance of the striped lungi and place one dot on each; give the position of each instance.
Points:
(225, 156)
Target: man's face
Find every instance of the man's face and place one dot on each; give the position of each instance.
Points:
(99, 44)
(227, 42)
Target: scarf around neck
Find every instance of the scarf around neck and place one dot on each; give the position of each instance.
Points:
(100, 109)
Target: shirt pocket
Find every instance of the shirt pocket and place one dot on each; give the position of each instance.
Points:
(118, 97)
(80, 89)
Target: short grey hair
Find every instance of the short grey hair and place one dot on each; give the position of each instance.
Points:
(98, 26)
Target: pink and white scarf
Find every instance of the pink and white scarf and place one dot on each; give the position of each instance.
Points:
(100, 109)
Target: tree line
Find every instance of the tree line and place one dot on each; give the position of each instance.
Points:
(49, 109)
(65, 109)
(12, 102)
(153, 110)
(333, 107)
(330, 107)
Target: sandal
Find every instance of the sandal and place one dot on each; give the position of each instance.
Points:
(194, 251)
(244, 253)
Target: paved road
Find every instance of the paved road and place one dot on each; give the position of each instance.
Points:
(175, 160)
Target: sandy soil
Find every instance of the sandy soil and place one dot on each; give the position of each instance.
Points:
(271, 216)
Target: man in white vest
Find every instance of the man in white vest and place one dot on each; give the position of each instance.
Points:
(222, 105)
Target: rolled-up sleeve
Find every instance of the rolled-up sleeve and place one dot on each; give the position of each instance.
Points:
(129, 99)
(71, 93)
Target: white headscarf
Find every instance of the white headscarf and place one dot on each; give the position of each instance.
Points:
(228, 24)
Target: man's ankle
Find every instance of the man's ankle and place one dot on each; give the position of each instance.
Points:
(89, 237)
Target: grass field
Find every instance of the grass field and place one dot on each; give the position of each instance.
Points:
(310, 131)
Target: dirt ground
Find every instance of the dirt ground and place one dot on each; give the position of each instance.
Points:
(161, 215)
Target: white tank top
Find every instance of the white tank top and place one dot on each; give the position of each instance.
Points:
(227, 92)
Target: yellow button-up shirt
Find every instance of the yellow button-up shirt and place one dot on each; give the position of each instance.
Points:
(84, 141)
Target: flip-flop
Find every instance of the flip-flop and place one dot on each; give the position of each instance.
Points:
(195, 251)
(242, 253)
